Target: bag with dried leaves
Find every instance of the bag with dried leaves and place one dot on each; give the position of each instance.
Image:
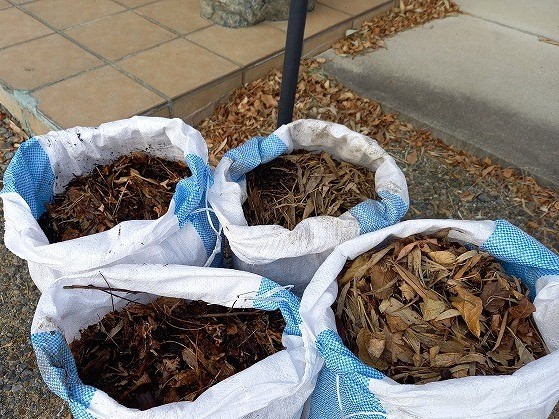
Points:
(291, 255)
(448, 352)
(182, 230)
(168, 347)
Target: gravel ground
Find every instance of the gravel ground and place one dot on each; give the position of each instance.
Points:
(435, 190)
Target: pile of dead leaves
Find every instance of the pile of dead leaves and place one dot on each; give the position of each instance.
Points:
(134, 187)
(172, 350)
(408, 14)
(293, 187)
(424, 309)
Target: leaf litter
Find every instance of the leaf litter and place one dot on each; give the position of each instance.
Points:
(135, 186)
(296, 186)
(171, 350)
(425, 309)
(407, 15)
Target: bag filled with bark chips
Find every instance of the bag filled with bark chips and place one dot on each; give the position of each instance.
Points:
(436, 319)
(171, 344)
(183, 229)
(290, 240)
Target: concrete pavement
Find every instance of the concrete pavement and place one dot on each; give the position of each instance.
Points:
(482, 81)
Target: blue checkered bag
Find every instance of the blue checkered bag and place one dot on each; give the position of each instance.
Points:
(292, 256)
(44, 165)
(275, 387)
(347, 388)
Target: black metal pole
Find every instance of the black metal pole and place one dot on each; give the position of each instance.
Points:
(292, 57)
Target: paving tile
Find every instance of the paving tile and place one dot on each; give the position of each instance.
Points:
(36, 125)
(243, 45)
(193, 102)
(44, 60)
(63, 14)
(117, 36)
(182, 16)
(11, 104)
(177, 67)
(162, 112)
(354, 7)
(19, 27)
(92, 98)
(319, 20)
(368, 16)
(323, 41)
(262, 68)
(4, 4)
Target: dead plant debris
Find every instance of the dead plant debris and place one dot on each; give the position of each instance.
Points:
(408, 14)
(424, 309)
(171, 350)
(293, 187)
(136, 186)
(250, 111)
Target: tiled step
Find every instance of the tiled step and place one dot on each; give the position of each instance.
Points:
(74, 62)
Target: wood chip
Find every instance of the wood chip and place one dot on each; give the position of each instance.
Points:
(136, 186)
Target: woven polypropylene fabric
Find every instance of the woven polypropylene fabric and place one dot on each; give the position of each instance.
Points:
(521, 255)
(342, 389)
(30, 175)
(373, 215)
(59, 372)
(272, 296)
(253, 153)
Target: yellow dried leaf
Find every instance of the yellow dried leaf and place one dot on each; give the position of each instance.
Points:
(412, 157)
(431, 309)
(443, 257)
(470, 308)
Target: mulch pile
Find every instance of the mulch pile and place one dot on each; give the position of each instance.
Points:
(424, 309)
(172, 350)
(408, 14)
(134, 187)
(293, 187)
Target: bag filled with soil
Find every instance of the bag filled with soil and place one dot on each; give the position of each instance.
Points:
(156, 338)
(129, 191)
(430, 302)
(286, 200)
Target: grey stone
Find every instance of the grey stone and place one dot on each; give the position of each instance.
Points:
(242, 13)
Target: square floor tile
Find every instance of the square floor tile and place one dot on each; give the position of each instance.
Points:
(182, 16)
(193, 102)
(319, 20)
(63, 14)
(17, 26)
(117, 36)
(242, 45)
(44, 60)
(354, 7)
(94, 97)
(177, 67)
